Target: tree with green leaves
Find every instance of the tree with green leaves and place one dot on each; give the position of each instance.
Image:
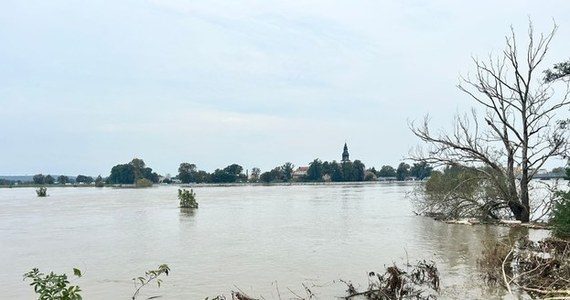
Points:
(39, 179)
(315, 171)
(335, 171)
(49, 179)
(275, 175)
(255, 174)
(387, 171)
(420, 170)
(403, 171)
(99, 182)
(84, 179)
(63, 179)
(449, 194)
(202, 177)
(138, 167)
(287, 170)
(187, 198)
(122, 174)
(560, 71)
(186, 172)
(358, 169)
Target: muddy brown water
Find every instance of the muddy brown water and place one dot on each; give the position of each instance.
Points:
(264, 240)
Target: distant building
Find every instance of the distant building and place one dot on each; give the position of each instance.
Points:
(345, 155)
(300, 172)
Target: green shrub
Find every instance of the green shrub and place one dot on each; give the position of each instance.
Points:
(144, 183)
(53, 286)
(561, 215)
(187, 198)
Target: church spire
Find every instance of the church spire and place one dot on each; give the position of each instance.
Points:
(345, 155)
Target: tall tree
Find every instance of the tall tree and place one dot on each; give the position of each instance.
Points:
(39, 179)
(421, 170)
(84, 179)
(315, 171)
(403, 171)
(358, 171)
(186, 172)
(387, 171)
(255, 173)
(287, 170)
(234, 169)
(138, 167)
(335, 171)
(518, 132)
(347, 170)
(202, 177)
(122, 174)
(62, 179)
(49, 179)
(275, 175)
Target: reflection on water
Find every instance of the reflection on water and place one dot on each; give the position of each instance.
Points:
(244, 236)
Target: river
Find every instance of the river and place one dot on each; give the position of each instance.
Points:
(263, 240)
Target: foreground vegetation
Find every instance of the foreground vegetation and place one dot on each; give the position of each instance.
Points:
(420, 282)
(57, 286)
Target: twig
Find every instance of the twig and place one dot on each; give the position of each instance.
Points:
(298, 297)
(277, 288)
(507, 284)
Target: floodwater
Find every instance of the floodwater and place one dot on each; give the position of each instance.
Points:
(267, 241)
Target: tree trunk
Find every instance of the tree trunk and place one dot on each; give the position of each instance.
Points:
(525, 214)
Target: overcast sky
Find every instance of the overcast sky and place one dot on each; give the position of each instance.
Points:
(86, 85)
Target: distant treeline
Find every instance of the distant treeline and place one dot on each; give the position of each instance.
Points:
(317, 171)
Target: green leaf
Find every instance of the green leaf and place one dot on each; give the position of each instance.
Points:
(76, 272)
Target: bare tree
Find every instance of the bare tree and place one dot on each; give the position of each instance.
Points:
(518, 132)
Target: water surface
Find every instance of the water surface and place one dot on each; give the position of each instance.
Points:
(254, 238)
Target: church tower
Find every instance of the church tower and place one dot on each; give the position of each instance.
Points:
(345, 154)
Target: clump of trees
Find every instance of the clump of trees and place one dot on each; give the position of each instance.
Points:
(43, 179)
(83, 179)
(518, 132)
(188, 173)
(283, 173)
(134, 172)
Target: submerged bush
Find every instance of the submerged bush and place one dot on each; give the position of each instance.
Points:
(187, 198)
(42, 191)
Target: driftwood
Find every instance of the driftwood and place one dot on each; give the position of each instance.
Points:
(542, 269)
(416, 282)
